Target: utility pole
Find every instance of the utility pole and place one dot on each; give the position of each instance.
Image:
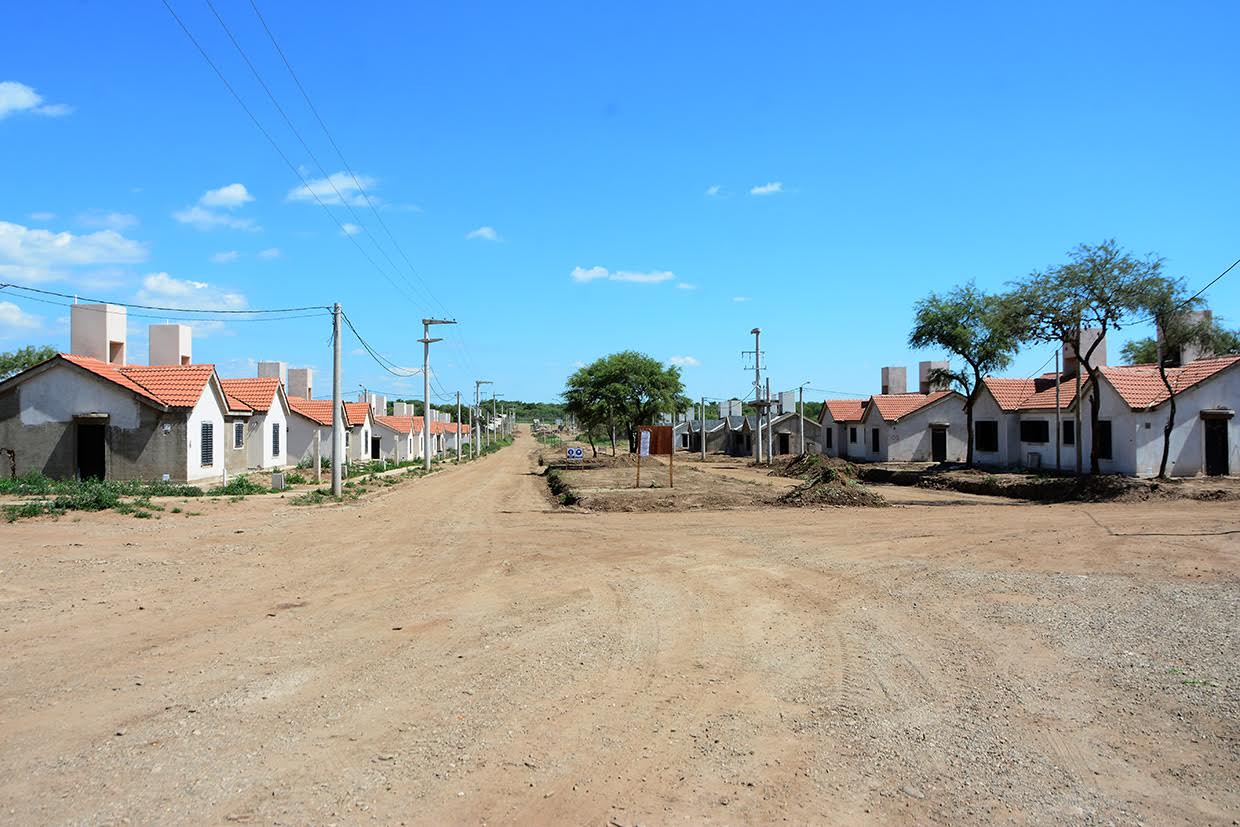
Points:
(1058, 423)
(478, 383)
(801, 418)
(494, 417)
(337, 418)
(459, 435)
(770, 452)
(757, 394)
(426, 341)
(702, 427)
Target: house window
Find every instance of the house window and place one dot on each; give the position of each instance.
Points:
(1035, 431)
(852, 434)
(275, 439)
(346, 439)
(208, 445)
(238, 434)
(828, 432)
(986, 432)
(1104, 439)
(1069, 432)
(874, 440)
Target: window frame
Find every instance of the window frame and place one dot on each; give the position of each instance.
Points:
(238, 435)
(206, 448)
(275, 439)
(1068, 437)
(874, 440)
(1108, 443)
(992, 426)
(852, 434)
(1044, 430)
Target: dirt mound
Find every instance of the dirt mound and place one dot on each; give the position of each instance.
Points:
(835, 489)
(811, 466)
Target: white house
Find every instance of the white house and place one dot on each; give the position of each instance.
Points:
(396, 439)
(264, 435)
(359, 423)
(1014, 422)
(309, 421)
(839, 424)
(912, 427)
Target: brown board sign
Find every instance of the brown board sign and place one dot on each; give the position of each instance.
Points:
(661, 442)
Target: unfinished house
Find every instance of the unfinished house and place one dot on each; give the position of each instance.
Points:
(396, 438)
(91, 415)
(454, 431)
(839, 422)
(309, 430)
(359, 428)
(786, 434)
(264, 433)
(912, 427)
(1014, 422)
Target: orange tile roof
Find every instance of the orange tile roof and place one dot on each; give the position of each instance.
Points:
(355, 413)
(316, 410)
(891, 407)
(1140, 386)
(178, 386)
(235, 405)
(1034, 393)
(400, 424)
(845, 410)
(112, 373)
(257, 392)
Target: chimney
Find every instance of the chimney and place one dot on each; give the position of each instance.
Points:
(787, 402)
(1088, 335)
(895, 380)
(924, 369)
(277, 370)
(378, 404)
(170, 344)
(98, 331)
(1191, 351)
(301, 382)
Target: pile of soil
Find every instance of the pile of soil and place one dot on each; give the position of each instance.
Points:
(835, 489)
(810, 466)
(1057, 488)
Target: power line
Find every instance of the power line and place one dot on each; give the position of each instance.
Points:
(258, 125)
(167, 309)
(383, 362)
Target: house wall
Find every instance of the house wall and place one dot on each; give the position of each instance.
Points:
(986, 409)
(863, 448)
(300, 438)
(36, 421)
(909, 439)
(207, 409)
(1187, 454)
(236, 459)
(258, 437)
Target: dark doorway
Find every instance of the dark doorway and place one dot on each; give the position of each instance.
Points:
(938, 444)
(785, 446)
(90, 462)
(376, 444)
(1216, 447)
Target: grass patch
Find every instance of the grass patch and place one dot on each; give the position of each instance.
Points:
(238, 487)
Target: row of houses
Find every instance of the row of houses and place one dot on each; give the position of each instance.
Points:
(89, 413)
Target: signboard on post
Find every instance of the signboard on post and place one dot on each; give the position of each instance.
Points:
(643, 449)
(656, 440)
(575, 453)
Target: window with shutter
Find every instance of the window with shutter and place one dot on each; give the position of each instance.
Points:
(275, 439)
(238, 434)
(208, 444)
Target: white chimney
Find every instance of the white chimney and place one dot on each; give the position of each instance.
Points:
(924, 369)
(1098, 359)
(378, 404)
(98, 331)
(274, 370)
(170, 344)
(895, 379)
(301, 382)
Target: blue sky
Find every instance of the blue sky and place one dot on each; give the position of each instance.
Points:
(702, 168)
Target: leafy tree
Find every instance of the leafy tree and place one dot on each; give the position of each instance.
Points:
(1215, 339)
(15, 361)
(624, 390)
(978, 328)
(1099, 287)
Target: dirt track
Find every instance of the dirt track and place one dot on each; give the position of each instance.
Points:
(456, 650)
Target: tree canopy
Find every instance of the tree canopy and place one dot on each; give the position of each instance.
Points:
(15, 361)
(623, 391)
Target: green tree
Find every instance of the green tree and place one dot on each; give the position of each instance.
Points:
(624, 390)
(1100, 287)
(1215, 340)
(978, 328)
(15, 361)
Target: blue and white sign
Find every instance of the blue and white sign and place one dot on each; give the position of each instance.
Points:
(575, 452)
(644, 444)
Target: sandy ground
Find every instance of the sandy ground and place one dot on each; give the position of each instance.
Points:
(459, 650)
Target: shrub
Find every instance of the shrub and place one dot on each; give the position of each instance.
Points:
(238, 487)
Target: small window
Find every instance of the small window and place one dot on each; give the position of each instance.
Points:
(1036, 431)
(874, 440)
(275, 439)
(1069, 432)
(346, 439)
(1104, 439)
(852, 434)
(207, 457)
(829, 432)
(238, 434)
(986, 434)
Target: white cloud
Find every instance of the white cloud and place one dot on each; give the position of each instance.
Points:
(164, 290)
(350, 229)
(339, 187)
(269, 253)
(714, 190)
(107, 220)
(205, 215)
(229, 197)
(767, 189)
(684, 285)
(740, 298)
(583, 274)
(18, 97)
(484, 233)
(225, 257)
(14, 321)
(683, 361)
(38, 255)
(42, 216)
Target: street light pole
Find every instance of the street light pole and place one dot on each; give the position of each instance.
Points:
(426, 341)
(801, 413)
(478, 426)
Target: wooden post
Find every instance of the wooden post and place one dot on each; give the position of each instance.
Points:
(638, 484)
(671, 483)
(318, 456)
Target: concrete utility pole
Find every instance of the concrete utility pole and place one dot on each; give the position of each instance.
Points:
(337, 418)
(494, 417)
(1058, 423)
(757, 393)
(770, 450)
(478, 383)
(801, 415)
(458, 428)
(702, 427)
(426, 341)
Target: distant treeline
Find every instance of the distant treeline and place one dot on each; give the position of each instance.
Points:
(545, 411)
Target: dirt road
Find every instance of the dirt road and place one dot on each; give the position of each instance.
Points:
(457, 650)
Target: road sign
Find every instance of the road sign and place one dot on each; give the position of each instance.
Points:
(645, 444)
(575, 452)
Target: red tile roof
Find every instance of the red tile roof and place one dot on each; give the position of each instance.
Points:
(1033, 393)
(1140, 386)
(400, 424)
(235, 405)
(355, 413)
(316, 410)
(845, 410)
(112, 373)
(891, 407)
(177, 386)
(257, 392)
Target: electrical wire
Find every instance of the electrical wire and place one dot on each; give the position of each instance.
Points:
(168, 309)
(229, 320)
(383, 362)
(1196, 295)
